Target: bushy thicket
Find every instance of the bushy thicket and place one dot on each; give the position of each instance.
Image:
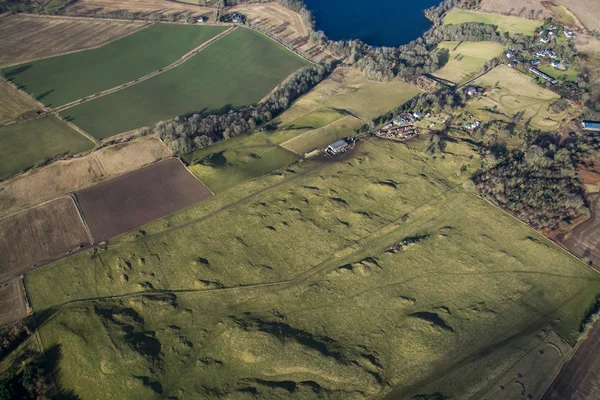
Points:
(538, 182)
(186, 134)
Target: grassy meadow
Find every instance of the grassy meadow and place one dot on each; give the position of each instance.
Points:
(59, 80)
(570, 75)
(513, 92)
(504, 23)
(466, 59)
(25, 144)
(342, 279)
(237, 70)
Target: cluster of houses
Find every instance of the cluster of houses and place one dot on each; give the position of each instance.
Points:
(546, 35)
(473, 125)
(401, 128)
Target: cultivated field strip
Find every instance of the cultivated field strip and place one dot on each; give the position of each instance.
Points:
(183, 59)
(584, 240)
(12, 301)
(237, 70)
(14, 103)
(39, 236)
(67, 176)
(131, 200)
(146, 8)
(27, 37)
(59, 80)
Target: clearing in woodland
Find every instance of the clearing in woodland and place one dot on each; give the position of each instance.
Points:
(67, 176)
(27, 38)
(14, 104)
(40, 235)
(60, 80)
(338, 279)
(25, 144)
(504, 23)
(237, 70)
(512, 92)
(466, 59)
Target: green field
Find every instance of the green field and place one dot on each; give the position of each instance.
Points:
(246, 157)
(466, 59)
(237, 70)
(512, 92)
(336, 280)
(25, 144)
(570, 75)
(505, 23)
(59, 80)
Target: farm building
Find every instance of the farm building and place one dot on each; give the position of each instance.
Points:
(340, 146)
(591, 125)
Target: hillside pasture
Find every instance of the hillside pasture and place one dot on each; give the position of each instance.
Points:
(26, 37)
(504, 23)
(237, 70)
(40, 235)
(512, 92)
(133, 199)
(466, 59)
(67, 176)
(60, 80)
(370, 276)
(25, 144)
(14, 104)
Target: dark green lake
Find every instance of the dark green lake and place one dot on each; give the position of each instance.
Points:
(375, 22)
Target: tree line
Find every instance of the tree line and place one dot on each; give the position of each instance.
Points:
(185, 134)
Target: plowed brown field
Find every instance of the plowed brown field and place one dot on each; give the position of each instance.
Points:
(69, 176)
(580, 378)
(12, 306)
(40, 235)
(26, 38)
(147, 7)
(138, 197)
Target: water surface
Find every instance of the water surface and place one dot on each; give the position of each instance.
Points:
(375, 22)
